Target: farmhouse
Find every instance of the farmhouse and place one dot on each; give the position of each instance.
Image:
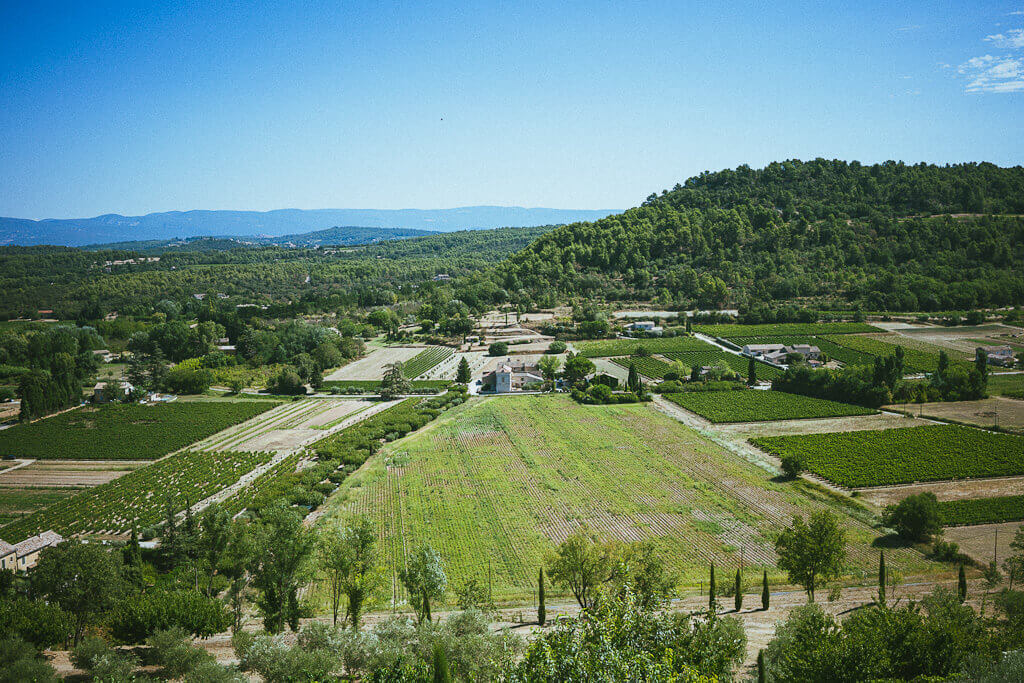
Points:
(511, 375)
(25, 554)
(776, 353)
(101, 393)
(647, 326)
(998, 355)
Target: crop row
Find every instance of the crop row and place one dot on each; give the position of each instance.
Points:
(736, 363)
(425, 360)
(914, 359)
(982, 510)
(728, 331)
(370, 386)
(125, 431)
(903, 455)
(833, 350)
(758, 406)
(645, 365)
(140, 497)
(603, 348)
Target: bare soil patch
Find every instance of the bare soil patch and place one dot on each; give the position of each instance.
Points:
(945, 490)
(372, 365)
(979, 542)
(984, 413)
(76, 473)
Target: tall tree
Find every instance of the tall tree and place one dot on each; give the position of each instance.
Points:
(881, 577)
(549, 367)
(633, 379)
(348, 560)
(738, 601)
(425, 580)
(395, 382)
(581, 564)
(766, 595)
(711, 589)
(463, 375)
(812, 553)
(542, 614)
(961, 584)
(214, 534)
(752, 372)
(282, 547)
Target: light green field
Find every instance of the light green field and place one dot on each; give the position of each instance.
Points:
(498, 481)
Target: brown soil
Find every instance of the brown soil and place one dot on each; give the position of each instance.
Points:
(984, 413)
(945, 490)
(69, 472)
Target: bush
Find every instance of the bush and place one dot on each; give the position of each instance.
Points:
(172, 649)
(287, 383)
(102, 662)
(915, 518)
(557, 347)
(183, 380)
(39, 623)
(497, 349)
(20, 662)
(141, 616)
(793, 465)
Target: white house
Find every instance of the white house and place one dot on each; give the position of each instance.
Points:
(647, 326)
(512, 376)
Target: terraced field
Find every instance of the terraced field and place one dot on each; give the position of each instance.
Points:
(124, 431)
(498, 481)
(901, 456)
(760, 406)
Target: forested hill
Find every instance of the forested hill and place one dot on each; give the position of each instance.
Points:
(828, 232)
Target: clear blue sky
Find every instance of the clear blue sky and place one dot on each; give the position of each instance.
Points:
(134, 108)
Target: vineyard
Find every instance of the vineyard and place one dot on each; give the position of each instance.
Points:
(736, 363)
(645, 365)
(125, 431)
(728, 331)
(425, 360)
(759, 406)
(982, 510)
(915, 358)
(370, 386)
(603, 348)
(903, 455)
(495, 483)
(140, 497)
(833, 350)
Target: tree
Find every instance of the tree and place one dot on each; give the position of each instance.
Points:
(738, 600)
(348, 559)
(961, 584)
(497, 349)
(577, 368)
(1014, 564)
(214, 535)
(440, 665)
(84, 579)
(762, 675)
(633, 379)
(812, 553)
(395, 382)
(582, 564)
(915, 518)
(766, 595)
(463, 375)
(943, 365)
(425, 580)
(881, 577)
(288, 383)
(712, 597)
(793, 464)
(282, 547)
(549, 366)
(689, 324)
(752, 372)
(542, 614)
(981, 365)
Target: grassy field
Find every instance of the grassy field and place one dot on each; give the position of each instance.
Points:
(496, 482)
(918, 356)
(604, 348)
(1006, 385)
(728, 331)
(124, 431)
(900, 456)
(736, 363)
(982, 510)
(17, 501)
(758, 406)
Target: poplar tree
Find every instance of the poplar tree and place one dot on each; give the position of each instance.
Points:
(961, 584)
(881, 576)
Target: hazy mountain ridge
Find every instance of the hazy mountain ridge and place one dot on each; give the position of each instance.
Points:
(339, 236)
(114, 228)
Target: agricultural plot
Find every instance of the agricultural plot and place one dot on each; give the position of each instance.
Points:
(918, 356)
(497, 482)
(1006, 385)
(982, 510)
(900, 456)
(140, 497)
(740, 364)
(760, 406)
(372, 386)
(605, 348)
(728, 331)
(645, 365)
(425, 360)
(124, 431)
(16, 502)
(1005, 412)
(828, 347)
(68, 473)
(371, 366)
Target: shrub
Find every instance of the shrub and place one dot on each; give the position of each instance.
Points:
(557, 347)
(793, 465)
(172, 649)
(915, 518)
(497, 349)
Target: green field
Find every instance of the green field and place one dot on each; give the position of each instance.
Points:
(125, 431)
(141, 496)
(728, 331)
(917, 356)
(17, 501)
(1003, 385)
(904, 455)
(498, 481)
(604, 348)
(645, 365)
(833, 350)
(425, 360)
(982, 510)
(757, 406)
(736, 363)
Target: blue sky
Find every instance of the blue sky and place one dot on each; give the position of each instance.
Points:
(133, 108)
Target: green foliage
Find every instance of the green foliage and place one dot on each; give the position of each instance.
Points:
(185, 380)
(348, 560)
(542, 614)
(556, 347)
(425, 580)
(287, 383)
(741, 332)
(766, 595)
(627, 347)
(102, 662)
(498, 349)
(463, 374)
(649, 367)
(982, 510)
(915, 518)
(395, 382)
(20, 662)
(42, 624)
(757, 406)
(137, 497)
(715, 358)
(903, 455)
(813, 552)
(793, 464)
(425, 360)
(125, 431)
(173, 651)
(282, 548)
(141, 615)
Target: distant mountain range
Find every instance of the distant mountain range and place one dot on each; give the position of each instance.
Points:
(341, 236)
(113, 228)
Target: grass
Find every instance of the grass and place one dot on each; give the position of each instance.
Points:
(605, 348)
(728, 331)
(758, 406)
(1005, 385)
(903, 455)
(495, 483)
(982, 510)
(125, 431)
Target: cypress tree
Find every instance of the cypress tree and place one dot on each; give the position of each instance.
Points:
(711, 589)
(881, 576)
(633, 379)
(441, 674)
(752, 372)
(542, 615)
(765, 594)
(761, 673)
(689, 324)
(463, 375)
(739, 592)
(961, 584)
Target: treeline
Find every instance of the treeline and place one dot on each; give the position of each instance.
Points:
(50, 365)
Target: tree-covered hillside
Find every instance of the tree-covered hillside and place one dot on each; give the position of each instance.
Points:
(829, 231)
